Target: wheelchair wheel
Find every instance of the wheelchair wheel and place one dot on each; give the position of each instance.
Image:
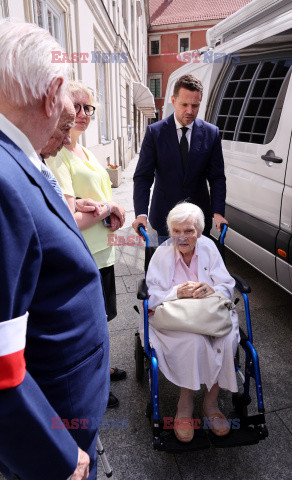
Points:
(139, 358)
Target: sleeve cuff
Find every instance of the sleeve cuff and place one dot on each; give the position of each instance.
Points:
(69, 478)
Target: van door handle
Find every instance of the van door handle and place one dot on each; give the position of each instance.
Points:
(271, 157)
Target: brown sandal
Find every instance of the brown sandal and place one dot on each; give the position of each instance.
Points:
(183, 429)
(219, 423)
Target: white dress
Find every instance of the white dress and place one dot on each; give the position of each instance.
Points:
(188, 359)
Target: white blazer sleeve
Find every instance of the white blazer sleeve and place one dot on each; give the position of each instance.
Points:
(219, 275)
(159, 277)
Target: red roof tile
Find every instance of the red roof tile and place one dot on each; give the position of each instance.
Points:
(163, 12)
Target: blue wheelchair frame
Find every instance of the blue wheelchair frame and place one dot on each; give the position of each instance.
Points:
(246, 340)
(254, 424)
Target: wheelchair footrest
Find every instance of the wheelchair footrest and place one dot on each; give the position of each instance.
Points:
(243, 436)
(171, 444)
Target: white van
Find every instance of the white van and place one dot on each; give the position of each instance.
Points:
(246, 73)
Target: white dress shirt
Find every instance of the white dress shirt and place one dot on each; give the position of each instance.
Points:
(179, 132)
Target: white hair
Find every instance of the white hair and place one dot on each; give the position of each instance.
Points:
(26, 67)
(182, 211)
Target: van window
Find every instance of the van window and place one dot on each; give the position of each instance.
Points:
(251, 99)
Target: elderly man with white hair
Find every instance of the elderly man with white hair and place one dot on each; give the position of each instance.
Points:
(61, 135)
(54, 348)
(189, 265)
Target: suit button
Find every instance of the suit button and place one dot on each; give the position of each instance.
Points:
(218, 350)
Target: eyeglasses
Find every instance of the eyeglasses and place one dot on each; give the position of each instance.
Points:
(88, 109)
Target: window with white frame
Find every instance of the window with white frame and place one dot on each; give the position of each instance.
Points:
(133, 28)
(125, 13)
(128, 105)
(154, 45)
(4, 9)
(155, 86)
(102, 82)
(49, 15)
(183, 42)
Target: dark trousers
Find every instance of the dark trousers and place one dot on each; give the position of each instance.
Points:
(109, 291)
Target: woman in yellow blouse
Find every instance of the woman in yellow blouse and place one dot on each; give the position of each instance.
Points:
(80, 175)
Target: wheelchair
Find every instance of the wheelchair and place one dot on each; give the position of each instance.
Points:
(251, 428)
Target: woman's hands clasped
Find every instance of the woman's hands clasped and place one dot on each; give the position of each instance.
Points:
(96, 211)
(194, 290)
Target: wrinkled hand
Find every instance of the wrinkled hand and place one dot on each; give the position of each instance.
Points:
(115, 223)
(82, 470)
(118, 211)
(140, 219)
(218, 219)
(202, 290)
(87, 205)
(194, 290)
(186, 290)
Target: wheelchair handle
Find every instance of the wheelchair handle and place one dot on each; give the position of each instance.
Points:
(142, 231)
(223, 228)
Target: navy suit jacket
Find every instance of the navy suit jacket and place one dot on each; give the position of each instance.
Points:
(47, 270)
(160, 158)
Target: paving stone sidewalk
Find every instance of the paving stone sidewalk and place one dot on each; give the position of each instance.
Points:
(126, 433)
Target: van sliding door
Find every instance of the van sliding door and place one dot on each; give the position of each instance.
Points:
(253, 113)
(284, 237)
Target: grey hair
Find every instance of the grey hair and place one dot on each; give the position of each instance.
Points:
(182, 211)
(26, 66)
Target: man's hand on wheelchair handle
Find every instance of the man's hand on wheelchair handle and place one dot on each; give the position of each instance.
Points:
(141, 219)
(218, 219)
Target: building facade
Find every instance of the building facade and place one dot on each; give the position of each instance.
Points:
(177, 31)
(106, 44)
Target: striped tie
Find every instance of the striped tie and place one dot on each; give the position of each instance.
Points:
(53, 181)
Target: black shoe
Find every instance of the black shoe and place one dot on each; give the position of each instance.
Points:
(117, 375)
(112, 401)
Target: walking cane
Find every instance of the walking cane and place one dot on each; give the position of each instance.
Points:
(105, 465)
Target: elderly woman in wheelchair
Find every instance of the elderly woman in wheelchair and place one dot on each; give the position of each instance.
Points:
(189, 266)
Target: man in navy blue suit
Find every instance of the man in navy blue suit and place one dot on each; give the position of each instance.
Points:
(54, 347)
(182, 154)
